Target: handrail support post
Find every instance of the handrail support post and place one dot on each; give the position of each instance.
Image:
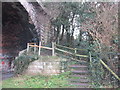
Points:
(39, 51)
(27, 47)
(53, 48)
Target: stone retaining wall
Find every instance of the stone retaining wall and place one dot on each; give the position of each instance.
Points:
(44, 67)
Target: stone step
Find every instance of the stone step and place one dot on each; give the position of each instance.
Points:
(79, 71)
(78, 66)
(81, 84)
(81, 76)
(80, 80)
(81, 63)
(85, 61)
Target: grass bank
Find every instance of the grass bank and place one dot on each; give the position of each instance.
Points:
(55, 81)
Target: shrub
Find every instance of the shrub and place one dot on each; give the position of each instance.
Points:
(21, 63)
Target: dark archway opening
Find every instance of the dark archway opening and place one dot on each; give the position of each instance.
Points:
(17, 31)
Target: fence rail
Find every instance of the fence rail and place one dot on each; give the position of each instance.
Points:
(71, 48)
(106, 66)
(41, 47)
(75, 54)
(71, 53)
(109, 69)
(36, 46)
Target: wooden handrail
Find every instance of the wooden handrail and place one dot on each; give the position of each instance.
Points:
(65, 47)
(41, 47)
(105, 65)
(76, 55)
(32, 43)
(70, 53)
(70, 48)
(61, 49)
(109, 69)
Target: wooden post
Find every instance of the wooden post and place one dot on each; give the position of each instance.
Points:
(35, 48)
(75, 52)
(58, 41)
(90, 59)
(27, 47)
(39, 48)
(53, 49)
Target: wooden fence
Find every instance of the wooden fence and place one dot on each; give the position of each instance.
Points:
(39, 48)
(75, 50)
(54, 47)
(106, 66)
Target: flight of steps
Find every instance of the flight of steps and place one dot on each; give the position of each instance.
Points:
(79, 76)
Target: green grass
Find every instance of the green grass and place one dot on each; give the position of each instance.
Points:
(55, 81)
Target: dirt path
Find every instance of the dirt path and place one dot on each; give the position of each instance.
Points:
(7, 75)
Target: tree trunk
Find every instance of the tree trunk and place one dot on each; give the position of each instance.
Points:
(62, 34)
(71, 36)
(58, 32)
